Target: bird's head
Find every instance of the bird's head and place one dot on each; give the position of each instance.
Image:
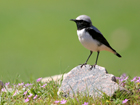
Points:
(82, 21)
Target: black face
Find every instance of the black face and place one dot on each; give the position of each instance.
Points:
(81, 24)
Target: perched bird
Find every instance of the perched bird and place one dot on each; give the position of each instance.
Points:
(91, 38)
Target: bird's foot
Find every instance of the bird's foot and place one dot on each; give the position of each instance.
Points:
(83, 64)
(93, 66)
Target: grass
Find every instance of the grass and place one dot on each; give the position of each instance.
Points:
(36, 92)
(38, 40)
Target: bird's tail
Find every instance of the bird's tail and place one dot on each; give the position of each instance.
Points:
(110, 49)
(117, 54)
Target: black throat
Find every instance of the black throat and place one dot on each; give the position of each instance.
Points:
(82, 24)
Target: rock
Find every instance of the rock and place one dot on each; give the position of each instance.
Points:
(56, 78)
(93, 82)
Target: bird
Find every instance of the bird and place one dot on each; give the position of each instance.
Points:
(91, 38)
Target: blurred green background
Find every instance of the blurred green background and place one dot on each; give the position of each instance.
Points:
(37, 38)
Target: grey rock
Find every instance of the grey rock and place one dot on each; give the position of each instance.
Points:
(56, 78)
(92, 82)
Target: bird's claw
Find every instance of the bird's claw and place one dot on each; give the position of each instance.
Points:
(92, 66)
(83, 64)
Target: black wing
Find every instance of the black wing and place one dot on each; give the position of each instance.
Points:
(95, 33)
(97, 36)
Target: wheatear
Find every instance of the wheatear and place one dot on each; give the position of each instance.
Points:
(91, 38)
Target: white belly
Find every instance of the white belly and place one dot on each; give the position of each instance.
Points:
(87, 41)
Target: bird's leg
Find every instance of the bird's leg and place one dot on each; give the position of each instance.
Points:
(87, 59)
(96, 60)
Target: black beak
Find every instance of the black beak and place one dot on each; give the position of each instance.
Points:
(73, 20)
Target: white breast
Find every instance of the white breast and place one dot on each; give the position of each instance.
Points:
(87, 41)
